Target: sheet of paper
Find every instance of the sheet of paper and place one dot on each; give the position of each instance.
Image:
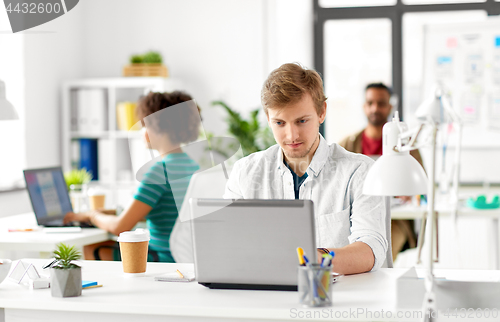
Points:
(175, 277)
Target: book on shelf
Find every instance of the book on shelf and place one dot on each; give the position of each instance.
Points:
(105, 167)
(90, 109)
(125, 115)
(88, 156)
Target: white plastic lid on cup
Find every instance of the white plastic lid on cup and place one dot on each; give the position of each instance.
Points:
(95, 191)
(138, 235)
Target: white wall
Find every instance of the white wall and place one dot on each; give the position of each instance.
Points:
(53, 53)
(47, 55)
(290, 33)
(214, 47)
(220, 49)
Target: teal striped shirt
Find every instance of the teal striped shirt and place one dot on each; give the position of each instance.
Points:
(163, 187)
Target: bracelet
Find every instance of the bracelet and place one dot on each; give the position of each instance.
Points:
(92, 217)
(324, 250)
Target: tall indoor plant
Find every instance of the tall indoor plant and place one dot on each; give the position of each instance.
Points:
(252, 136)
(65, 275)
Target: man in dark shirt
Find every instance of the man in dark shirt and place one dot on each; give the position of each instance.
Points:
(368, 141)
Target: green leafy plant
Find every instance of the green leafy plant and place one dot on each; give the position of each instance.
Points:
(251, 135)
(76, 177)
(152, 57)
(65, 255)
(136, 59)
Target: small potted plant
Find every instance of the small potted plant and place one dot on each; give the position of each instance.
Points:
(77, 177)
(65, 275)
(77, 180)
(149, 64)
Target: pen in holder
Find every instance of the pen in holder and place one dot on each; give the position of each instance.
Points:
(314, 285)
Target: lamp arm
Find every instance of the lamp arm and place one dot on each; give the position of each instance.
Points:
(429, 303)
(413, 135)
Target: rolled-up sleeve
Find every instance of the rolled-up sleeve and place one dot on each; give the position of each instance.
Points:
(368, 217)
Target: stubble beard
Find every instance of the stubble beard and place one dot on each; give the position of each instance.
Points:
(302, 155)
(377, 120)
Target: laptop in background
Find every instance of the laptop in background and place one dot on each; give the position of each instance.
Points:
(49, 196)
(249, 243)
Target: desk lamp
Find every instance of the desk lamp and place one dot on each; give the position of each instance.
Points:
(7, 111)
(396, 173)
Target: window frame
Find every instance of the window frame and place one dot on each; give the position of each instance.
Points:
(395, 14)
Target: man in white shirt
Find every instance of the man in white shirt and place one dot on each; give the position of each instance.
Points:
(303, 166)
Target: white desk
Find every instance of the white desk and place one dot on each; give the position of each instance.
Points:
(444, 210)
(414, 212)
(39, 241)
(142, 299)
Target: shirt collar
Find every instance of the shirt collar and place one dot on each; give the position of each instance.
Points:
(318, 160)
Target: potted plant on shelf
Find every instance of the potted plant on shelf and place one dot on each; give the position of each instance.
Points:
(149, 64)
(65, 275)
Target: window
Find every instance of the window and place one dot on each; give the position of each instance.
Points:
(357, 52)
(12, 140)
(396, 13)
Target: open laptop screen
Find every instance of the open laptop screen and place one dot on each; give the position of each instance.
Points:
(48, 193)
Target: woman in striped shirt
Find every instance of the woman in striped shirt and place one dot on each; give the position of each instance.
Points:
(170, 119)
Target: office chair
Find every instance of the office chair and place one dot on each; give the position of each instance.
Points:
(181, 242)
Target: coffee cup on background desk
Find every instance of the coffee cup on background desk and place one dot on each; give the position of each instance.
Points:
(134, 250)
(97, 198)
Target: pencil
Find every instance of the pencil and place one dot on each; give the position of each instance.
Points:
(180, 274)
(92, 286)
(300, 253)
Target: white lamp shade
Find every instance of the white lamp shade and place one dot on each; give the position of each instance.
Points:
(7, 111)
(395, 175)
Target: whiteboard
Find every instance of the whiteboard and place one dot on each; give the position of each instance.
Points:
(465, 58)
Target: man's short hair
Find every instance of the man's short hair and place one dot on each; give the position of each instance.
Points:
(288, 84)
(379, 86)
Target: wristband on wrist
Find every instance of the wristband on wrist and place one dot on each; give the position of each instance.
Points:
(324, 250)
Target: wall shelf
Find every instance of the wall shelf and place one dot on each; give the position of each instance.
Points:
(116, 164)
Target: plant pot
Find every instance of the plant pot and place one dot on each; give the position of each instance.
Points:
(79, 198)
(66, 282)
(145, 70)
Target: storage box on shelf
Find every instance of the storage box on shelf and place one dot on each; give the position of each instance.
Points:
(92, 109)
(138, 70)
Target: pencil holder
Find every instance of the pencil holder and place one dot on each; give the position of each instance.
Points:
(314, 285)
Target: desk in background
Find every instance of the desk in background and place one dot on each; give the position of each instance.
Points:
(490, 219)
(38, 241)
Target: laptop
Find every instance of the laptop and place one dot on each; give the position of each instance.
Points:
(249, 243)
(49, 196)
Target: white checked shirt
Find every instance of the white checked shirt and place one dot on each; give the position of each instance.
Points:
(334, 183)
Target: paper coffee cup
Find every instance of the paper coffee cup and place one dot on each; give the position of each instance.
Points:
(134, 250)
(97, 198)
(97, 202)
